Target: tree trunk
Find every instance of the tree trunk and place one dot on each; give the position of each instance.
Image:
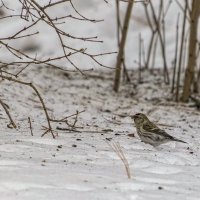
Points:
(189, 73)
(122, 45)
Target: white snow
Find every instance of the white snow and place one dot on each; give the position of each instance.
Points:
(81, 165)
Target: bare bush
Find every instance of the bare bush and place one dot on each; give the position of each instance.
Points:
(31, 15)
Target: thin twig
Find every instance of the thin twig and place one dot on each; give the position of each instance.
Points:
(8, 113)
(118, 150)
(39, 96)
(30, 125)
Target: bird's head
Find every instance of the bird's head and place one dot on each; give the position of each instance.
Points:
(139, 119)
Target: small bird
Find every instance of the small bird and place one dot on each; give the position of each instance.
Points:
(149, 133)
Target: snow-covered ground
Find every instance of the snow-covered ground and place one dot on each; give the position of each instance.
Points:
(80, 164)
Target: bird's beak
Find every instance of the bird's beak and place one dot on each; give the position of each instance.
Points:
(133, 116)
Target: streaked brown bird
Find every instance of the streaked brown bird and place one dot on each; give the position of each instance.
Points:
(150, 133)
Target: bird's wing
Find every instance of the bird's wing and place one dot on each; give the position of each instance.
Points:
(159, 134)
(149, 126)
(154, 129)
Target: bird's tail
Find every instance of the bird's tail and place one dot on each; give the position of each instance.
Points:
(177, 140)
